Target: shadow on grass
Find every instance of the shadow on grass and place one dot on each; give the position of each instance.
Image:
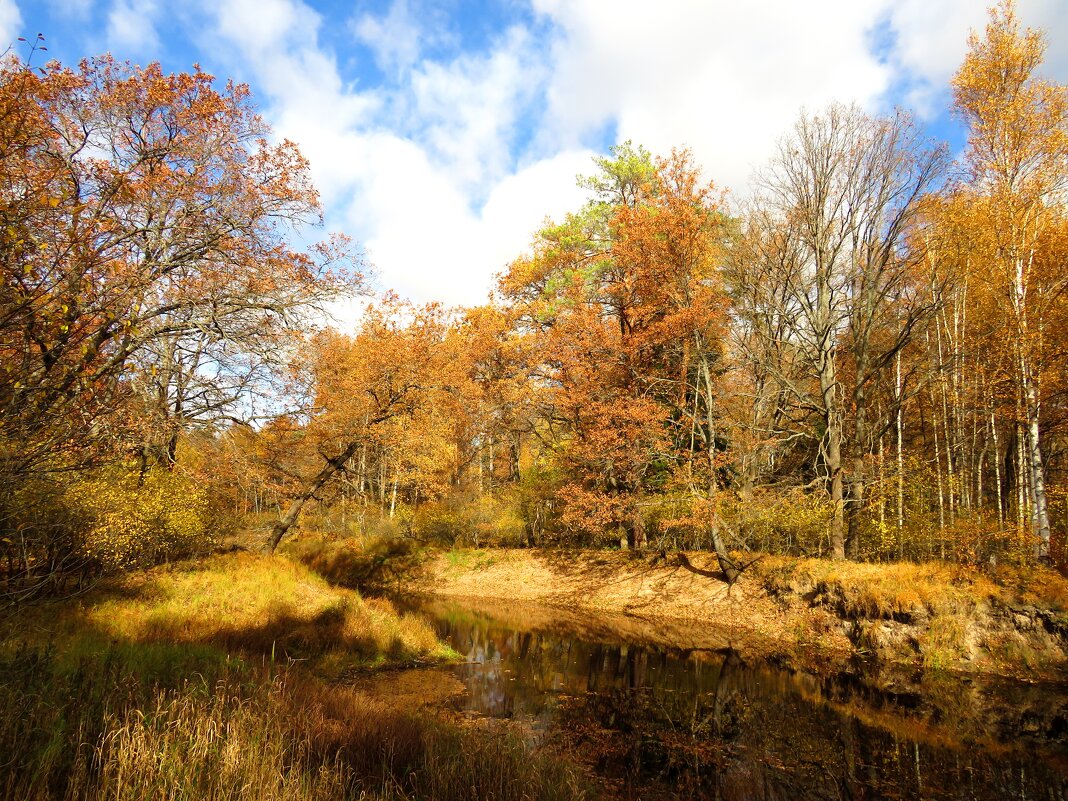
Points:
(136, 692)
(378, 566)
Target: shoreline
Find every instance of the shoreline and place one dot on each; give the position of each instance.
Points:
(805, 613)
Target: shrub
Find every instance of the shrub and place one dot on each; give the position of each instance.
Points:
(134, 520)
(791, 522)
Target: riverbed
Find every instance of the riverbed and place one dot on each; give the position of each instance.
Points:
(714, 721)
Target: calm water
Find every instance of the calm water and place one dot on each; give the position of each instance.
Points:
(658, 723)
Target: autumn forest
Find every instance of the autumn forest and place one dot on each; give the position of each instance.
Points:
(859, 359)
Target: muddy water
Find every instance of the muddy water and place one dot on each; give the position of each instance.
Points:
(659, 722)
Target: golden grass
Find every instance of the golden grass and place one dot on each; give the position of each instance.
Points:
(191, 682)
(959, 612)
(896, 590)
(360, 562)
(99, 733)
(943, 643)
(902, 589)
(1034, 585)
(244, 603)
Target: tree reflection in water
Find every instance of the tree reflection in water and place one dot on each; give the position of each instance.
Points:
(664, 723)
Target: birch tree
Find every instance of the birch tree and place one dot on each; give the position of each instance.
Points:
(1017, 162)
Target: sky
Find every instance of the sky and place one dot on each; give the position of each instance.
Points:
(442, 133)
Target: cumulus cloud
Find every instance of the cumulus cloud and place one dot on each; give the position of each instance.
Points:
(423, 174)
(468, 109)
(930, 40)
(393, 38)
(10, 23)
(131, 27)
(445, 168)
(421, 220)
(724, 78)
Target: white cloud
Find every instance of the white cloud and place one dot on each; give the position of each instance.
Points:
(10, 23)
(78, 9)
(422, 175)
(131, 27)
(422, 221)
(424, 170)
(394, 38)
(931, 40)
(726, 79)
(468, 108)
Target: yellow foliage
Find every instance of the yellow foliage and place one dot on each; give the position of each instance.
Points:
(138, 521)
(791, 522)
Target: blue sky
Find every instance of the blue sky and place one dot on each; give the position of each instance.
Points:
(442, 132)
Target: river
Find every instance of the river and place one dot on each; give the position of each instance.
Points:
(656, 722)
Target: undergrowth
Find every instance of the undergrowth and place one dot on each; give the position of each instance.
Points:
(100, 730)
(193, 682)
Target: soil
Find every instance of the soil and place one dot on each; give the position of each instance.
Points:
(683, 601)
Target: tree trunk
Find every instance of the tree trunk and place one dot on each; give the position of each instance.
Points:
(638, 527)
(1039, 510)
(997, 467)
(393, 494)
(900, 458)
(333, 466)
(726, 564)
(833, 455)
(858, 479)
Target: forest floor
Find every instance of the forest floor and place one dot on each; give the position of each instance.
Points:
(805, 611)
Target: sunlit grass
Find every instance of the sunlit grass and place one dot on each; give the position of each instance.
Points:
(900, 589)
(238, 603)
(961, 614)
(193, 682)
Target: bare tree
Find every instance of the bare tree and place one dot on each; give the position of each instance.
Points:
(844, 191)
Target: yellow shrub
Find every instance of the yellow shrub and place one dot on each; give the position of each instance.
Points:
(133, 521)
(783, 522)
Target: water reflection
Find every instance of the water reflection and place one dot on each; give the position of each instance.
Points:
(656, 722)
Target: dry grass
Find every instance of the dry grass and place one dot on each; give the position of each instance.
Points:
(99, 732)
(901, 590)
(943, 643)
(242, 603)
(1036, 586)
(361, 562)
(962, 615)
(174, 684)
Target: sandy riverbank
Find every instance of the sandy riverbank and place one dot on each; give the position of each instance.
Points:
(804, 611)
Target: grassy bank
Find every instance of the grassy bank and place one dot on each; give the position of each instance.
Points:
(1008, 621)
(239, 603)
(217, 679)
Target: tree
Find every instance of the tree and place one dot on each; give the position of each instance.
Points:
(397, 363)
(147, 283)
(842, 194)
(1017, 160)
(624, 310)
(144, 221)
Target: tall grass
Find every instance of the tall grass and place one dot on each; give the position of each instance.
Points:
(237, 603)
(205, 681)
(101, 731)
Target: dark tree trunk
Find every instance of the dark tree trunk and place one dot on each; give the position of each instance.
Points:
(333, 466)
